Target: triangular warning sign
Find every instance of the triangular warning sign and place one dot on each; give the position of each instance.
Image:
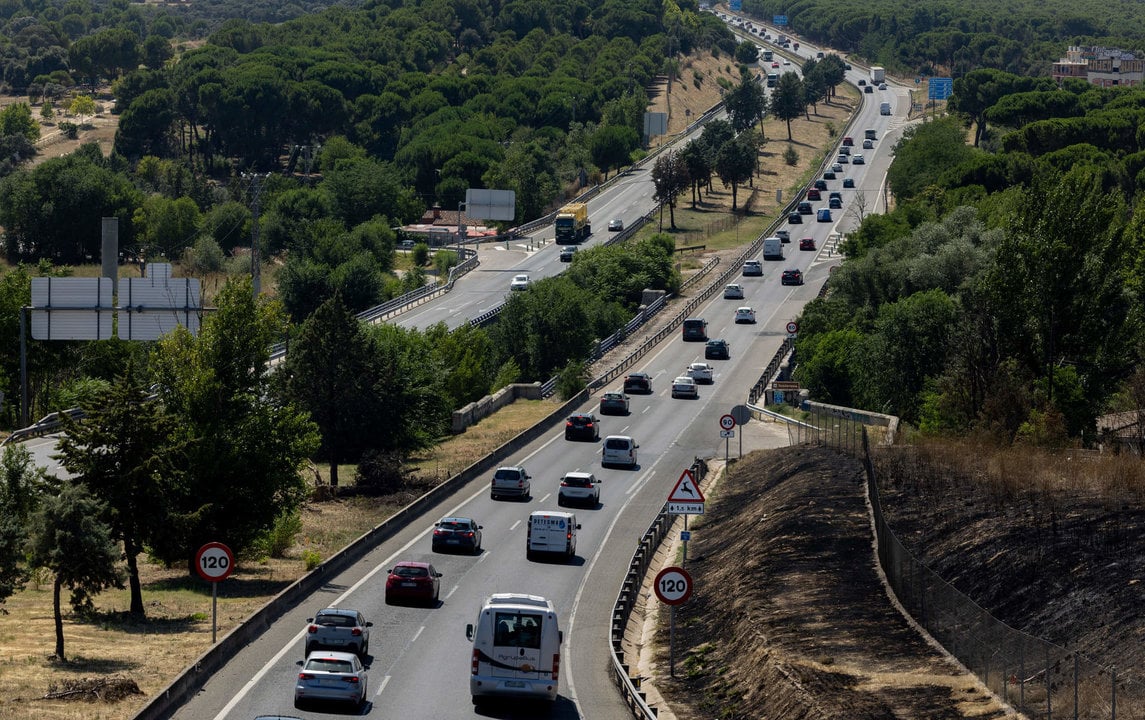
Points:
(686, 489)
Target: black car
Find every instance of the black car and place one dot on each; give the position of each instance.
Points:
(848, 182)
(638, 382)
(795, 218)
(582, 426)
(829, 175)
(792, 276)
(567, 253)
(820, 184)
(717, 350)
(457, 533)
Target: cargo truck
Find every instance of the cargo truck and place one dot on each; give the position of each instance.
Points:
(878, 74)
(772, 79)
(572, 223)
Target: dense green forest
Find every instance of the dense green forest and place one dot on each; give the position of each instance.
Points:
(1003, 294)
(949, 39)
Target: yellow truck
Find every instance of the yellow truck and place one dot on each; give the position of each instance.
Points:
(572, 223)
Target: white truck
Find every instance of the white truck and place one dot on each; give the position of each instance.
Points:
(516, 648)
(772, 248)
(878, 74)
(884, 108)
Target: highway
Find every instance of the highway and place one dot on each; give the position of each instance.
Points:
(419, 666)
(420, 657)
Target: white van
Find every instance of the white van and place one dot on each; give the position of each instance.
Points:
(551, 532)
(516, 648)
(773, 248)
(618, 450)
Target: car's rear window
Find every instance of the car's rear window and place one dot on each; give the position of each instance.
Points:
(616, 444)
(507, 475)
(578, 482)
(453, 526)
(410, 572)
(334, 620)
(331, 665)
(580, 420)
(693, 324)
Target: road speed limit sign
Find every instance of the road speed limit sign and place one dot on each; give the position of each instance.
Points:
(792, 327)
(727, 422)
(673, 586)
(214, 562)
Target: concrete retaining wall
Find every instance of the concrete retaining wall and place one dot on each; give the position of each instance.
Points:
(170, 698)
(478, 410)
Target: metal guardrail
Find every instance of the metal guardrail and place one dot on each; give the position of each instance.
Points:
(46, 425)
(636, 700)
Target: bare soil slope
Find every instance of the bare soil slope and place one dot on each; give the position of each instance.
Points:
(789, 618)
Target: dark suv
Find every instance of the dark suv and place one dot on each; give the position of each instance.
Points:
(638, 383)
(582, 426)
(696, 329)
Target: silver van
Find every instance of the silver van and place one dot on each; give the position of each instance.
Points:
(619, 450)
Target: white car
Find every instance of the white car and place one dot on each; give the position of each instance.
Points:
(745, 315)
(701, 372)
(684, 386)
(786, 61)
(579, 488)
(734, 291)
(520, 282)
(331, 676)
(859, 160)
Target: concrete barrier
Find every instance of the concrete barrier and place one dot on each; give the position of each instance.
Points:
(478, 410)
(167, 700)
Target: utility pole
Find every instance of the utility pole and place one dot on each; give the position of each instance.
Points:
(256, 201)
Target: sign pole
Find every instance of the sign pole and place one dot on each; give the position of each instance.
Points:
(672, 639)
(684, 561)
(214, 562)
(727, 443)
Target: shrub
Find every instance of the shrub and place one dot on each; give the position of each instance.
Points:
(790, 156)
(420, 254)
(69, 129)
(279, 538)
(380, 473)
(571, 380)
(311, 559)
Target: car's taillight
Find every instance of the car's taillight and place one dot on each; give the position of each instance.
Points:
(474, 663)
(356, 631)
(469, 534)
(305, 676)
(569, 424)
(564, 484)
(351, 679)
(438, 531)
(556, 665)
(312, 629)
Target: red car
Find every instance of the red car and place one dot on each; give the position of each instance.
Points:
(412, 581)
(807, 244)
(813, 194)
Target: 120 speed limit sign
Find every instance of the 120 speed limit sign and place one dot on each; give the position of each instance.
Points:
(214, 562)
(673, 586)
